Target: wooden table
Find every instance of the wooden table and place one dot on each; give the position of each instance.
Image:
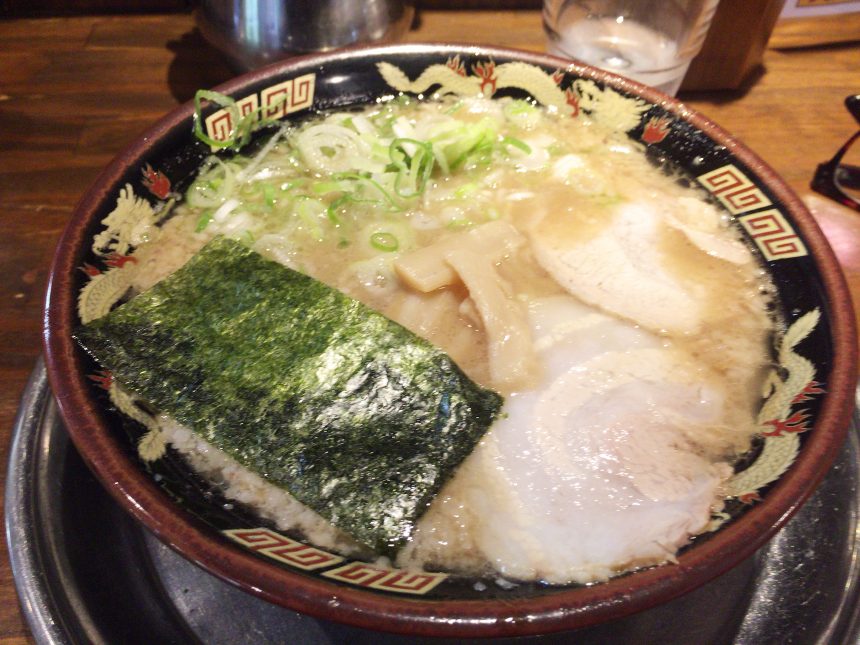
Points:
(74, 91)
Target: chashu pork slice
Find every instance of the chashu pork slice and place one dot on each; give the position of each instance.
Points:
(622, 269)
(612, 463)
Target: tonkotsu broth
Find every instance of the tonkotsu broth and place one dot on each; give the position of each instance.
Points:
(556, 191)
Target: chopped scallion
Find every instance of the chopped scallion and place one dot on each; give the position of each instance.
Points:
(203, 221)
(413, 171)
(517, 143)
(269, 195)
(384, 241)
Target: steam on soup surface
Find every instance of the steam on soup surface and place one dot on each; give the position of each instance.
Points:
(616, 310)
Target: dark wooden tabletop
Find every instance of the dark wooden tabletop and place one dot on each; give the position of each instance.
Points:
(74, 91)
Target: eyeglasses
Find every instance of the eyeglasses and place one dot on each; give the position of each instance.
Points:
(839, 178)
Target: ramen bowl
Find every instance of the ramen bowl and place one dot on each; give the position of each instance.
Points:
(805, 433)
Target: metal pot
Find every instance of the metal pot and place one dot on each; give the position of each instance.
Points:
(252, 33)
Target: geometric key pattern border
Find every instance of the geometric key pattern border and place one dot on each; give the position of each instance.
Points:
(373, 576)
(769, 229)
(361, 574)
(773, 235)
(273, 102)
(283, 549)
(734, 189)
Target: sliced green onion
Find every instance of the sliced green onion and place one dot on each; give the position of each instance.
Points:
(458, 224)
(293, 183)
(472, 142)
(522, 113)
(310, 211)
(243, 126)
(213, 185)
(203, 221)
(455, 108)
(331, 211)
(441, 159)
(269, 195)
(518, 106)
(466, 190)
(225, 102)
(384, 241)
(362, 180)
(324, 187)
(413, 171)
(517, 143)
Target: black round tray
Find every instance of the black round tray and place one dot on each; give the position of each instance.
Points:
(87, 573)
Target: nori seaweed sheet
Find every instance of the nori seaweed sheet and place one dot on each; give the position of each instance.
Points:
(356, 416)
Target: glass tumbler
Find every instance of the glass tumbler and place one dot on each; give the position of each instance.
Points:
(650, 41)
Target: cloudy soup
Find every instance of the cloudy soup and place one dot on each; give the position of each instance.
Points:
(614, 309)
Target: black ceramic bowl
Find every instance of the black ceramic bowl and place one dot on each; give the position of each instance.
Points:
(808, 430)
